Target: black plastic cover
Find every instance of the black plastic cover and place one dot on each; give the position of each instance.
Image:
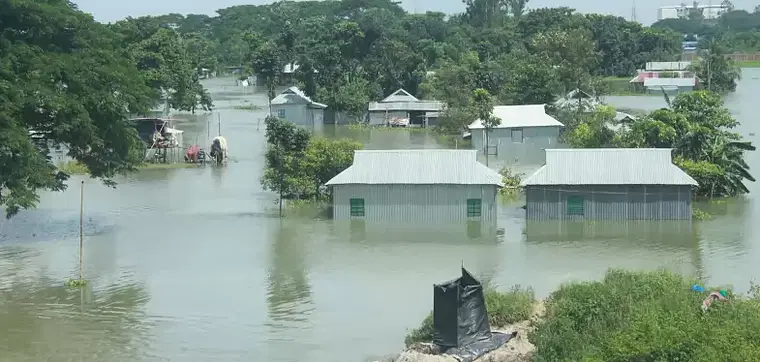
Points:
(460, 319)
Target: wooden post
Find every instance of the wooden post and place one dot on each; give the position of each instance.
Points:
(220, 124)
(81, 232)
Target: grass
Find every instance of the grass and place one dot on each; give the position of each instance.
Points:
(699, 214)
(76, 168)
(646, 316)
(748, 64)
(249, 107)
(503, 308)
(76, 283)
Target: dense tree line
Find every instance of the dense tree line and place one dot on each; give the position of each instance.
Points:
(70, 80)
(738, 30)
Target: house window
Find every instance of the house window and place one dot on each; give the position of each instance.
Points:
(575, 205)
(517, 135)
(357, 207)
(474, 207)
(281, 113)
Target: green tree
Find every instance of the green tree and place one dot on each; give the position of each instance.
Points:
(267, 63)
(592, 130)
(716, 70)
(286, 145)
(67, 79)
(483, 106)
(325, 159)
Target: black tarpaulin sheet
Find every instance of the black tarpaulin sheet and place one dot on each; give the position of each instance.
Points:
(460, 319)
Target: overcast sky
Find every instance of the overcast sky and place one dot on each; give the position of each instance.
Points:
(112, 10)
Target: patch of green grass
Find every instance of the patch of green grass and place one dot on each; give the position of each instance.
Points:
(748, 64)
(311, 209)
(249, 107)
(645, 316)
(76, 283)
(503, 308)
(699, 214)
(76, 168)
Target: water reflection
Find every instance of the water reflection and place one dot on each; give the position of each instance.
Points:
(289, 293)
(42, 319)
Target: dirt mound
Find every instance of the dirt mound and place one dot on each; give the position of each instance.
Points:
(518, 349)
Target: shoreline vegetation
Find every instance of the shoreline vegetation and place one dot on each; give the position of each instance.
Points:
(625, 316)
(76, 168)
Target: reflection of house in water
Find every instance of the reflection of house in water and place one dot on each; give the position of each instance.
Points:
(294, 106)
(288, 285)
(674, 233)
(524, 130)
(416, 187)
(402, 107)
(609, 184)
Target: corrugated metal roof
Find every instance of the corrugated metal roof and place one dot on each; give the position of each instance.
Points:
(400, 95)
(609, 166)
(417, 167)
(423, 106)
(292, 95)
(529, 115)
(670, 82)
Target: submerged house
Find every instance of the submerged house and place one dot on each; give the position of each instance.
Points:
(519, 124)
(609, 184)
(402, 108)
(294, 106)
(671, 76)
(416, 186)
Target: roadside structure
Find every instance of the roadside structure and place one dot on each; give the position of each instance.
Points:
(416, 187)
(294, 106)
(403, 109)
(609, 184)
(519, 124)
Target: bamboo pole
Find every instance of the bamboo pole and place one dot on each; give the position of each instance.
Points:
(81, 232)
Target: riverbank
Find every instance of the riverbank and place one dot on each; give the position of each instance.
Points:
(625, 316)
(76, 168)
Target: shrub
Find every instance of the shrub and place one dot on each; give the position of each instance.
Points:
(503, 308)
(655, 316)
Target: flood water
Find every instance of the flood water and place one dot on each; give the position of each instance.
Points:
(194, 264)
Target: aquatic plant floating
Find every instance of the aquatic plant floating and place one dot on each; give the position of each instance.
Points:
(76, 283)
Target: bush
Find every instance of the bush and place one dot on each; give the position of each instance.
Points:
(645, 317)
(503, 308)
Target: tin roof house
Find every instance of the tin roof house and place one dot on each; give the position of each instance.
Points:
(609, 184)
(416, 187)
(670, 76)
(295, 106)
(403, 109)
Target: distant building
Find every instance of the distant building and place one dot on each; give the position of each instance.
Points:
(416, 186)
(402, 108)
(294, 106)
(519, 124)
(672, 76)
(682, 11)
(609, 184)
(285, 78)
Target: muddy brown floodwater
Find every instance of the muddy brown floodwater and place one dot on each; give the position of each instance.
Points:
(194, 264)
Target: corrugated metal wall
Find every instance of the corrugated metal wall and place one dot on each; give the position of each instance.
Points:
(429, 204)
(301, 115)
(382, 117)
(546, 137)
(610, 202)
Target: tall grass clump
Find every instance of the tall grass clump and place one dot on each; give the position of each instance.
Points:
(654, 316)
(503, 308)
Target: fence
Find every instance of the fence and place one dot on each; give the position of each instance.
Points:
(737, 57)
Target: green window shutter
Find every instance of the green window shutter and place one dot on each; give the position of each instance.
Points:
(357, 207)
(474, 207)
(575, 205)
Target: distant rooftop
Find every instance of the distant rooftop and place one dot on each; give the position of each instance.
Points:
(401, 100)
(293, 95)
(417, 167)
(670, 82)
(529, 115)
(609, 166)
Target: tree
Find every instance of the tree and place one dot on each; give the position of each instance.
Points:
(286, 144)
(483, 106)
(593, 130)
(66, 79)
(267, 63)
(716, 69)
(573, 53)
(325, 159)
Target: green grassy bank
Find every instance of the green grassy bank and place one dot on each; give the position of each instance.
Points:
(748, 64)
(76, 168)
(631, 316)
